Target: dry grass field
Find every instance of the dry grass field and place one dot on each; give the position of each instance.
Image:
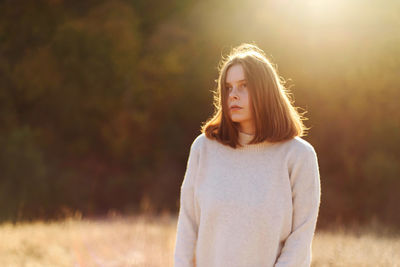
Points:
(149, 241)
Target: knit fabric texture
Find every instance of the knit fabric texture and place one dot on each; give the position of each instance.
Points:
(256, 205)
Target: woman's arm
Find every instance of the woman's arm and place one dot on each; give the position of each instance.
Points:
(306, 193)
(187, 226)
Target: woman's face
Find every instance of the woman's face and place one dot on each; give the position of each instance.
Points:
(239, 102)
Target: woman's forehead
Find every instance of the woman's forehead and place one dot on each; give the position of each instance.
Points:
(235, 74)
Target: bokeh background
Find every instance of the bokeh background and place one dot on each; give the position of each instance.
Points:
(100, 100)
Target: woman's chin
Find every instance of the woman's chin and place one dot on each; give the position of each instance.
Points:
(236, 119)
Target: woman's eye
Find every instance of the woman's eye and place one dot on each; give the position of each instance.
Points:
(244, 85)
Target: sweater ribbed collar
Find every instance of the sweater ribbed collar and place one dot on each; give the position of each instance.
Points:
(244, 140)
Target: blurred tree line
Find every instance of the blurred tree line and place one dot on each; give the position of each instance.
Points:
(100, 100)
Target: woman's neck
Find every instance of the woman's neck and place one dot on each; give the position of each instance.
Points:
(247, 128)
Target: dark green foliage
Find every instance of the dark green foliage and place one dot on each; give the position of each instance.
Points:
(100, 100)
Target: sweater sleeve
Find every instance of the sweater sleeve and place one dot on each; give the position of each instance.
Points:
(306, 193)
(187, 226)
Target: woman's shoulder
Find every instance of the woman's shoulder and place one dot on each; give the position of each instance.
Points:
(300, 150)
(300, 146)
(201, 141)
(198, 142)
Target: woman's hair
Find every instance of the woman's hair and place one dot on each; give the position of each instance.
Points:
(275, 117)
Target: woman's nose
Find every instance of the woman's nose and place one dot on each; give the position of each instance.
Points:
(233, 93)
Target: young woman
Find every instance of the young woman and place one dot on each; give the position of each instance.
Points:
(251, 192)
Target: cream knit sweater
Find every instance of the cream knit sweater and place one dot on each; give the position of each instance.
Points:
(253, 206)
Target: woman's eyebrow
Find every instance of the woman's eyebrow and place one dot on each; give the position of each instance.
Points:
(244, 80)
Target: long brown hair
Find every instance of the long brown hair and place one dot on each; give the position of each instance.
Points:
(275, 117)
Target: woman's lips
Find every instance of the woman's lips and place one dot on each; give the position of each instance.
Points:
(235, 107)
